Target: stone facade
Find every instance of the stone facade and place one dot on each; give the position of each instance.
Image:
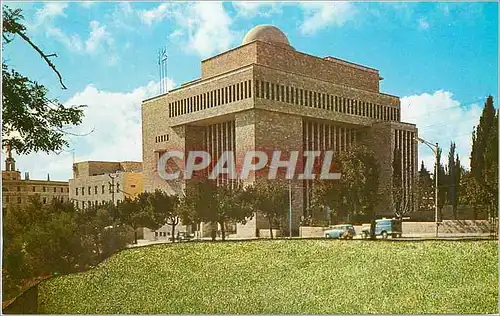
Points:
(16, 192)
(265, 95)
(98, 182)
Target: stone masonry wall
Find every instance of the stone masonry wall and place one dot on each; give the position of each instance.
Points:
(336, 72)
(228, 61)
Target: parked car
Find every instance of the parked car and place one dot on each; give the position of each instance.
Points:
(340, 231)
(384, 227)
(184, 236)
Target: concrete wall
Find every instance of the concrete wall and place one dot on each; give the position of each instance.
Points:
(311, 231)
(447, 227)
(265, 233)
(422, 229)
(164, 232)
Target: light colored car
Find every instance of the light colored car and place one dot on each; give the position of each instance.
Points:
(340, 231)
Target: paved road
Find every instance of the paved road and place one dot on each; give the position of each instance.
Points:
(443, 236)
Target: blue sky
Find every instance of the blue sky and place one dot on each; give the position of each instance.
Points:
(440, 58)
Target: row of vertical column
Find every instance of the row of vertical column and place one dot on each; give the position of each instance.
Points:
(219, 138)
(294, 95)
(232, 93)
(404, 142)
(321, 137)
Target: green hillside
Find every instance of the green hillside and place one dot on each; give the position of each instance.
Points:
(283, 276)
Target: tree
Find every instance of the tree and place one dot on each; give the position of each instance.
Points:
(357, 191)
(31, 121)
(270, 198)
(136, 213)
(205, 201)
(442, 182)
(453, 177)
(41, 239)
(425, 189)
(484, 157)
(328, 196)
(165, 210)
(472, 193)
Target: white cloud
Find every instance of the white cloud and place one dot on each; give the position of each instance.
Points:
(72, 42)
(116, 120)
(200, 27)
(208, 28)
(98, 37)
(48, 12)
(423, 24)
(319, 15)
(441, 119)
(98, 40)
(154, 15)
(249, 9)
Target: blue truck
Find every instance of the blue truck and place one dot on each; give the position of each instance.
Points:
(385, 227)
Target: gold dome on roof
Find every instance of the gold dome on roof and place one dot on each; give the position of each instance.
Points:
(266, 33)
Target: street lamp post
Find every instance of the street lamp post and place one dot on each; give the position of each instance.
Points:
(434, 148)
(290, 207)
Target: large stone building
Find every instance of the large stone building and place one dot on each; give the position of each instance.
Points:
(265, 95)
(98, 182)
(16, 192)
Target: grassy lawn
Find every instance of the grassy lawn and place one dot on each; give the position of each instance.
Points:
(283, 276)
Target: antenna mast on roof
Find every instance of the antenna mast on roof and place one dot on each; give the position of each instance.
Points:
(162, 67)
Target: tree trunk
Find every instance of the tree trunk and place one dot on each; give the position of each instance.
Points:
(372, 228)
(213, 232)
(271, 227)
(173, 230)
(135, 236)
(223, 230)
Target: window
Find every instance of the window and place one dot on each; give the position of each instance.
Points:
(44, 200)
(117, 187)
(83, 204)
(83, 191)
(33, 189)
(18, 189)
(77, 204)
(19, 200)
(95, 189)
(55, 190)
(62, 190)
(132, 185)
(89, 190)
(76, 191)
(43, 189)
